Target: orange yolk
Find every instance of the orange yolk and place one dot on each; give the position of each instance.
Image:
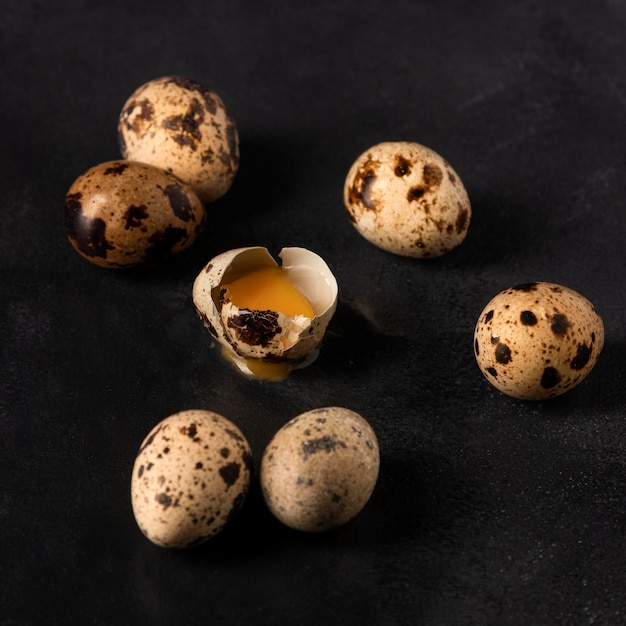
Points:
(268, 289)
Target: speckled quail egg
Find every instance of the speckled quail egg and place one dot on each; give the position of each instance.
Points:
(190, 477)
(268, 318)
(405, 198)
(320, 469)
(121, 214)
(183, 127)
(537, 340)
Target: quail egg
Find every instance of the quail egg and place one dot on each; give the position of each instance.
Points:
(268, 318)
(183, 127)
(190, 477)
(405, 198)
(537, 340)
(320, 469)
(121, 214)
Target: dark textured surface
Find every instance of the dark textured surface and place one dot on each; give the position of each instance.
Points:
(488, 510)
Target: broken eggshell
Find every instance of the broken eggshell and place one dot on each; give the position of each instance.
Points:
(252, 337)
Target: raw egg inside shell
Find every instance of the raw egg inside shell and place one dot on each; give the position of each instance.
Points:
(268, 318)
(268, 288)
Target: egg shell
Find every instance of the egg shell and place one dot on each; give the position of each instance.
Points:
(537, 340)
(190, 477)
(121, 214)
(320, 469)
(268, 335)
(406, 199)
(183, 127)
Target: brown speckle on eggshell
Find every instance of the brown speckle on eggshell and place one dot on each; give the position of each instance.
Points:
(405, 198)
(537, 340)
(183, 127)
(121, 214)
(320, 469)
(190, 477)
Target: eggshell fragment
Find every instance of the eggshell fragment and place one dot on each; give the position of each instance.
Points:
(320, 469)
(183, 127)
(190, 477)
(122, 214)
(537, 340)
(266, 335)
(405, 198)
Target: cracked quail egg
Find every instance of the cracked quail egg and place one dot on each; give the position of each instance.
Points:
(121, 214)
(183, 127)
(268, 318)
(537, 340)
(190, 477)
(405, 198)
(320, 469)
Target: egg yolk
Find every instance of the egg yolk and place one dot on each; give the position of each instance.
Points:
(268, 289)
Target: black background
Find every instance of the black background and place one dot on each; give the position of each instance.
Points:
(488, 510)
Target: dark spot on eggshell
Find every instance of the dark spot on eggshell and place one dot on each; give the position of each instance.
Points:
(402, 166)
(432, 175)
(236, 506)
(149, 440)
(186, 126)
(233, 435)
(525, 287)
(162, 242)
(164, 499)
(326, 444)
(115, 170)
(207, 156)
(476, 347)
(184, 82)
(550, 378)
(255, 328)
(492, 371)
(230, 473)
(190, 431)
(559, 324)
(528, 318)
(180, 202)
(88, 234)
(503, 353)
(225, 453)
(185, 141)
(232, 139)
(415, 193)
(488, 316)
(188, 84)
(366, 195)
(224, 157)
(461, 220)
(139, 122)
(583, 354)
(134, 216)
